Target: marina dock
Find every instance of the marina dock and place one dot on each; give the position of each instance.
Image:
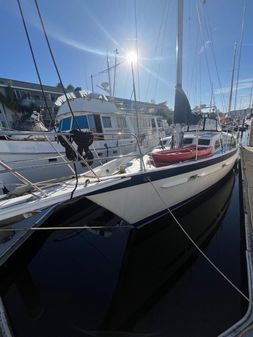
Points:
(244, 327)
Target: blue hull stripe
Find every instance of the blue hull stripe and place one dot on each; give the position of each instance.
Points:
(144, 177)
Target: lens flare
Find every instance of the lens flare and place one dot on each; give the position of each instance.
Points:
(132, 57)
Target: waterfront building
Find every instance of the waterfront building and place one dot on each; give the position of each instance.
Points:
(18, 98)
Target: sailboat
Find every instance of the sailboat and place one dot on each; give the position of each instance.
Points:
(152, 191)
(136, 190)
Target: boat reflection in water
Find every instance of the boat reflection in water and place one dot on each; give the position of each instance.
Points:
(67, 290)
(157, 255)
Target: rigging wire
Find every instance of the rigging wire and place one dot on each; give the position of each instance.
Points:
(193, 76)
(55, 65)
(137, 48)
(210, 38)
(205, 51)
(38, 73)
(239, 54)
(163, 24)
(164, 36)
(76, 184)
(188, 61)
(34, 60)
(232, 79)
(60, 79)
(198, 248)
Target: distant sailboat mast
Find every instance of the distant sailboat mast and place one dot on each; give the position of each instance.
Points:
(232, 80)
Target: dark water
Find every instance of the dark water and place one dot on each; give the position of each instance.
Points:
(128, 282)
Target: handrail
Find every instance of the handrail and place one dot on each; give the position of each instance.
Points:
(22, 178)
(63, 158)
(50, 137)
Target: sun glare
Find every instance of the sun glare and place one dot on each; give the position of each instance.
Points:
(132, 57)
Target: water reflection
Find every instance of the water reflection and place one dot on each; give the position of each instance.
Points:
(86, 283)
(156, 256)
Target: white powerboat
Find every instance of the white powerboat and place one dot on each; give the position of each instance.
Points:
(40, 156)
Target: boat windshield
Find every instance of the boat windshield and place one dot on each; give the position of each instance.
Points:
(202, 141)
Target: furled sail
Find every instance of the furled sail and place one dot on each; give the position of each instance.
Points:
(182, 112)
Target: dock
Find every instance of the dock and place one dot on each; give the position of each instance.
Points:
(244, 327)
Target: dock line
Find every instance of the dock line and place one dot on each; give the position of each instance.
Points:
(249, 299)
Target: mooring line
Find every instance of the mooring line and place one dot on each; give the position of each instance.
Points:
(199, 249)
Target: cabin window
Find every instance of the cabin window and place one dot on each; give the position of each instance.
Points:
(91, 121)
(205, 142)
(65, 124)
(121, 122)
(107, 123)
(133, 122)
(80, 122)
(217, 144)
(187, 141)
(25, 95)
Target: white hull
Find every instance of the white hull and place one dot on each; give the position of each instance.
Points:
(139, 202)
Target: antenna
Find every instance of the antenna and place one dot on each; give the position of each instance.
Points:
(109, 75)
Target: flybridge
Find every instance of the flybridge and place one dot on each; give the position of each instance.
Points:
(80, 94)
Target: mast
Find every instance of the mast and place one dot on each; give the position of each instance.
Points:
(179, 59)
(182, 111)
(179, 43)
(232, 80)
(92, 86)
(135, 100)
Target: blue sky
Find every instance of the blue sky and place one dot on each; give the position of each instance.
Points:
(82, 32)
